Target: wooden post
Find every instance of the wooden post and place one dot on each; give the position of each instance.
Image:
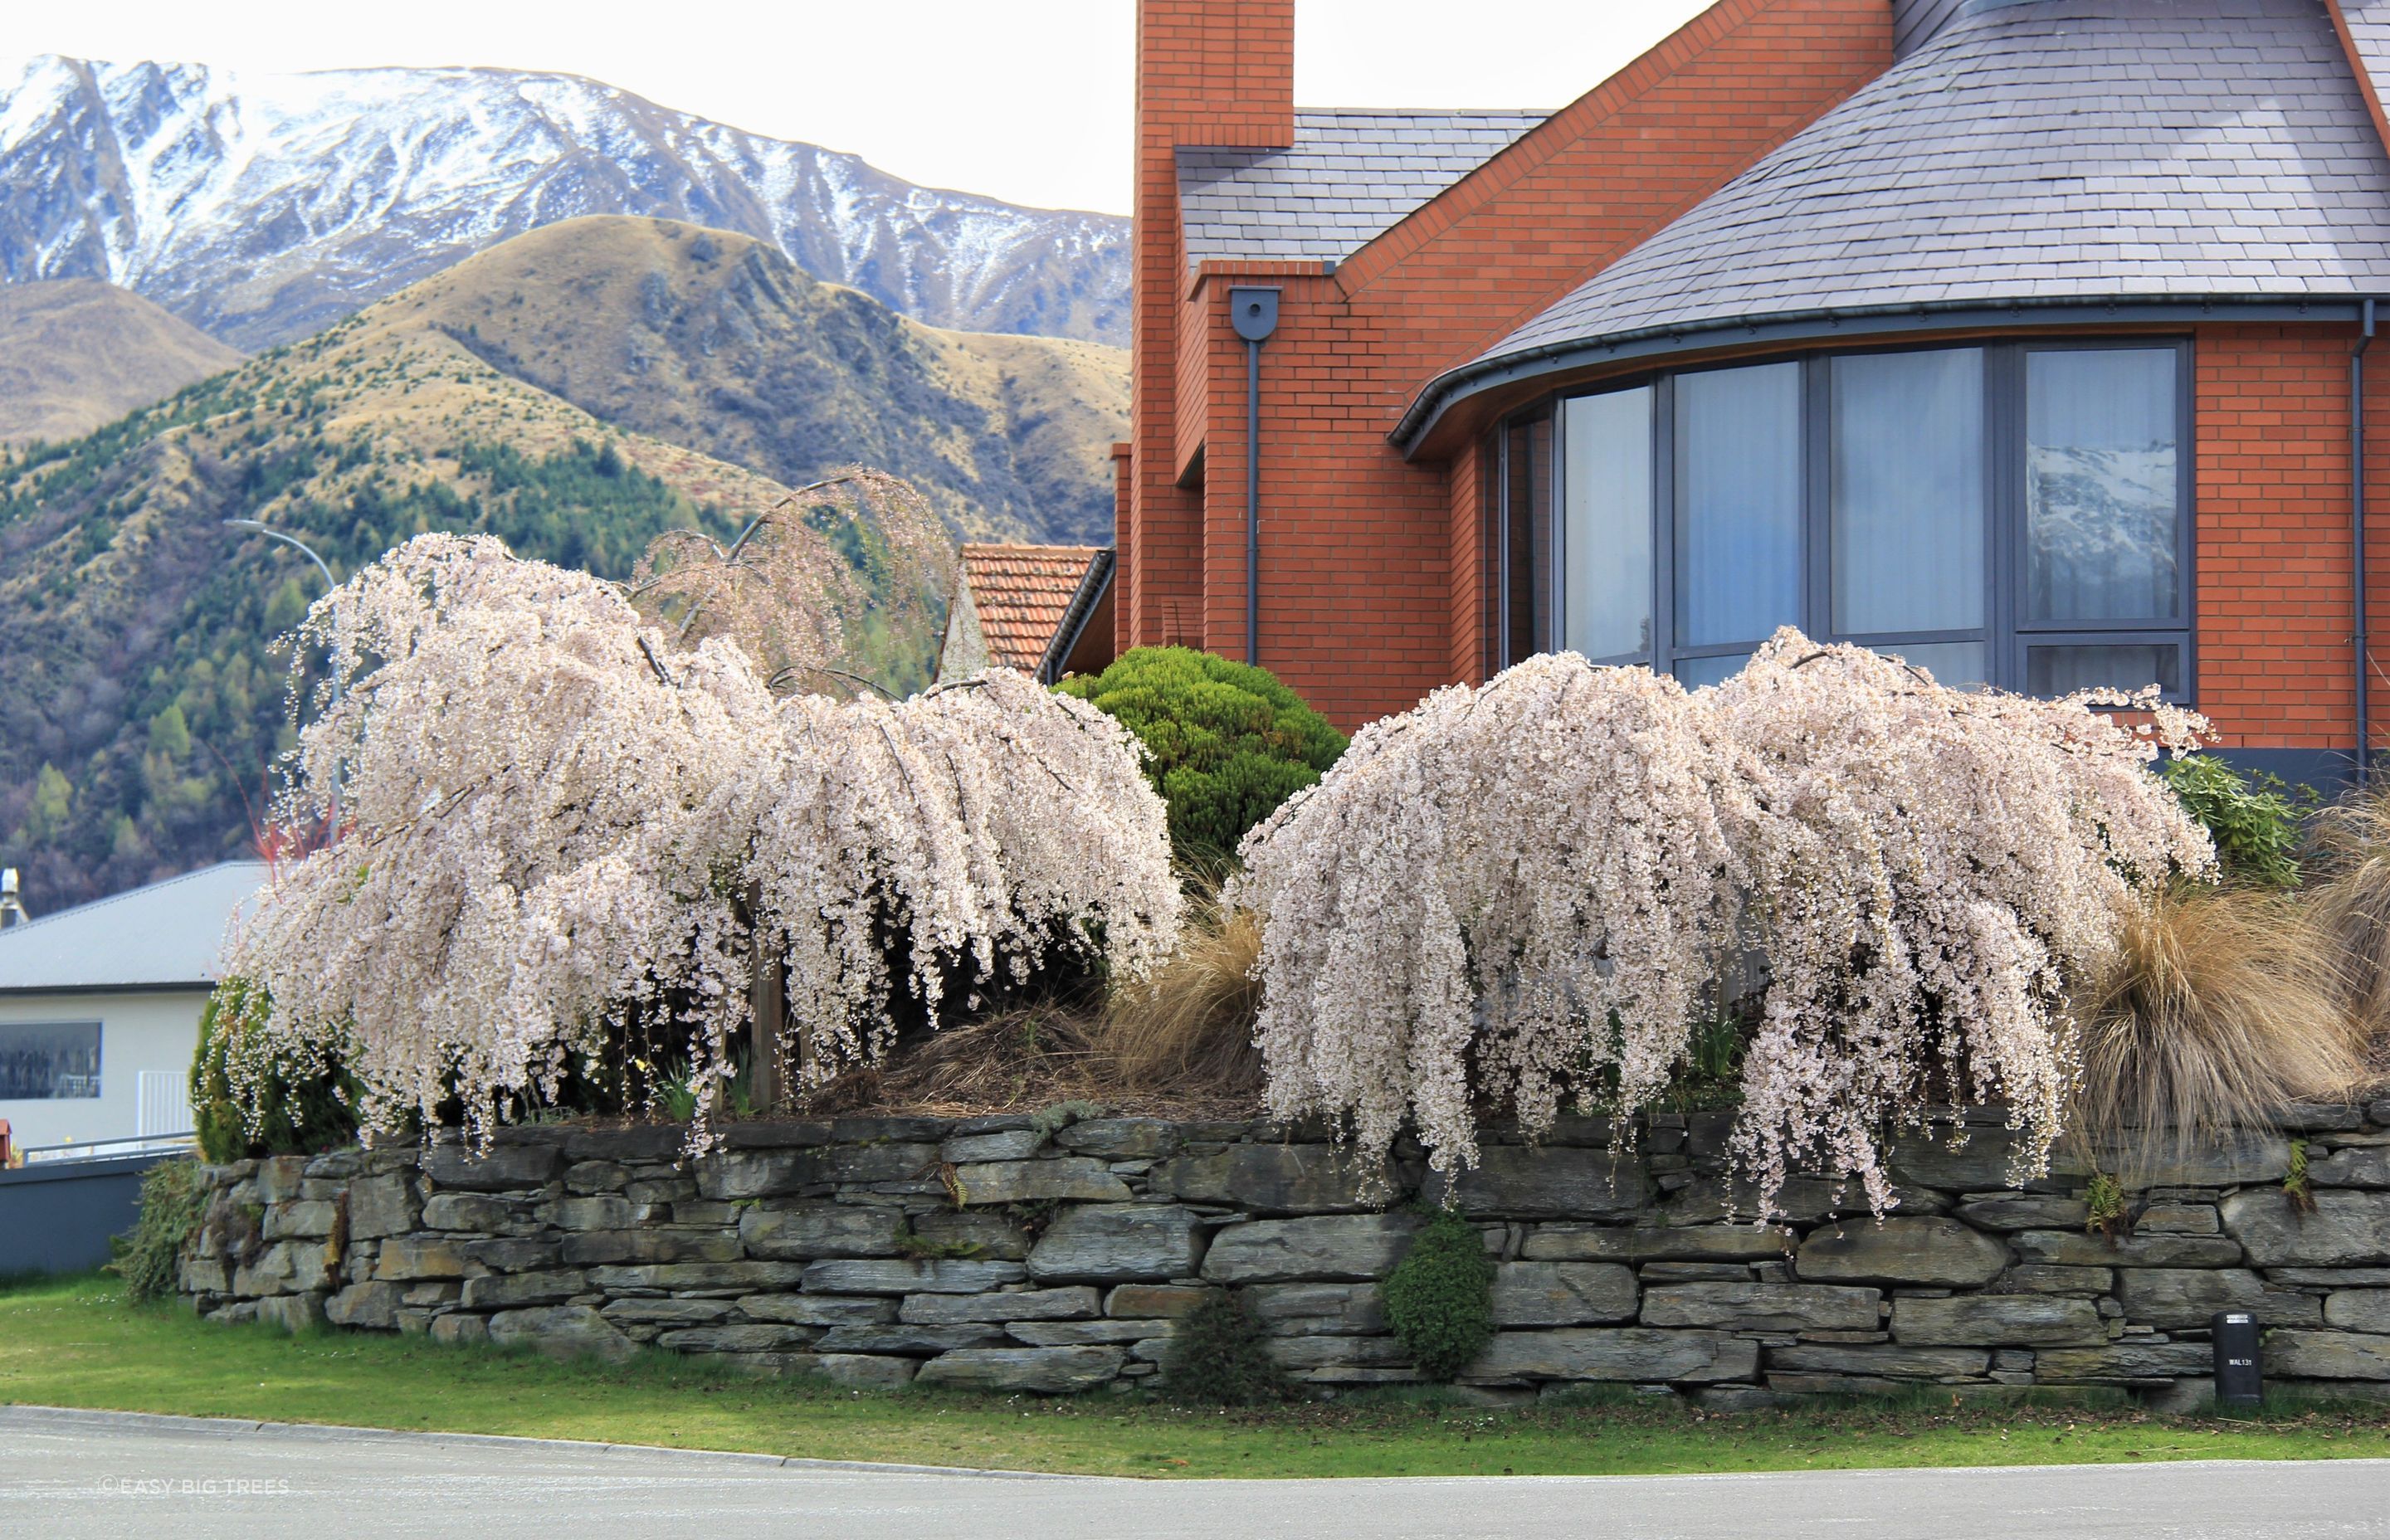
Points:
(767, 1010)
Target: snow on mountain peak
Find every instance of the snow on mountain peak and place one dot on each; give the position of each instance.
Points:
(262, 207)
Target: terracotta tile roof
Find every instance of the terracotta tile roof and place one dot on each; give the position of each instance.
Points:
(1023, 593)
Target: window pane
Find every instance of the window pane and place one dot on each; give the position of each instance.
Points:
(1606, 541)
(2128, 666)
(1693, 672)
(50, 1061)
(1960, 665)
(1738, 468)
(2101, 506)
(1530, 535)
(1908, 504)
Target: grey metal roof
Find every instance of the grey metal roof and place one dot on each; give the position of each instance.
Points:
(1349, 176)
(2127, 149)
(168, 933)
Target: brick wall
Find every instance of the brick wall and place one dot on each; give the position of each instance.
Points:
(1369, 562)
(2273, 542)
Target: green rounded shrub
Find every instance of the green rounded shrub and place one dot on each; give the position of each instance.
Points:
(1227, 742)
(1440, 1300)
(1218, 1356)
(2257, 823)
(301, 1107)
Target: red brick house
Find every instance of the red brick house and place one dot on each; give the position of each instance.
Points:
(2025, 338)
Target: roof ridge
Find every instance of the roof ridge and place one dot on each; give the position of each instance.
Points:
(89, 904)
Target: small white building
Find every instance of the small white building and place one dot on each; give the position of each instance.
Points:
(100, 1009)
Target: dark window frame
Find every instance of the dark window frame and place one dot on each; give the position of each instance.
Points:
(2004, 634)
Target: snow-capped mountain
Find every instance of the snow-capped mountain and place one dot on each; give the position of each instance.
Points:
(261, 208)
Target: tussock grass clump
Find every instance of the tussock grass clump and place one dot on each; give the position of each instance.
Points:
(2221, 1005)
(2349, 905)
(1190, 1026)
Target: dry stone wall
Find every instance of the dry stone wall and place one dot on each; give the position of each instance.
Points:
(988, 1252)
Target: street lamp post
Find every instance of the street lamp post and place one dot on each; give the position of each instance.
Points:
(257, 526)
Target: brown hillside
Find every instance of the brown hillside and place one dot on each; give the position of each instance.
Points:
(717, 342)
(77, 352)
(142, 698)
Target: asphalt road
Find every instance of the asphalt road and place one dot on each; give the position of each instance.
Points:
(86, 1475)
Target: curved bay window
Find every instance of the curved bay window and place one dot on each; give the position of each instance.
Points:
(2016, 514)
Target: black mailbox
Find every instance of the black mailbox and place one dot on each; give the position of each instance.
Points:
(2239, 1378)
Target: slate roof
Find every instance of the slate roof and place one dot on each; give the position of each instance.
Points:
(2134, 150)
(1024, 594)
(166, 934)
(1348, 176)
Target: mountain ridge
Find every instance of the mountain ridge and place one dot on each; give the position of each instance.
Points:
(206, 190)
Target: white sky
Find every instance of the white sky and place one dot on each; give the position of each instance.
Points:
(1026, 100)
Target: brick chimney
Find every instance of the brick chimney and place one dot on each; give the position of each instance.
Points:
(1208, 73)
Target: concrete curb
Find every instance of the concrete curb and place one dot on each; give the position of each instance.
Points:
(25, 1415)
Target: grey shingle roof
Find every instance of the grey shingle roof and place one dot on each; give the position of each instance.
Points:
(1348, 176)
(2133, 150)
(2369, 28)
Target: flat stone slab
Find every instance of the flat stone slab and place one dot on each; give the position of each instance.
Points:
(820, 1309)
(1118, 1243)
(562, 1331)
(1120, 1138)
(1273, 1178)
(810, 1231)
(1939, 1253)
(2359, 1310)
(2178, 1299)
(1546, 1182)
(2326, 1355)
(506, 1167)
(1342, 1309)
(1082, 1333)
(1032, 1305)
(2124, 1360)
(406, 1257)
(2358, 1166)
(2025, 1211)
(1328, 1248)
(1998, 1320)
(721, 1278)
(1644, 1243)
(510, 1290)
(1637, 1354)
(1038, 1371)
(923, 1275)
(1075, 1177)
(1762, 1307)
(2076, 1249)
(2347, 1228)
(1562, 1293)
(902, 1339)
(1888, 1360)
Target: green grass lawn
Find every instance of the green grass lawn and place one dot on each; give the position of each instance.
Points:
(77, 1342)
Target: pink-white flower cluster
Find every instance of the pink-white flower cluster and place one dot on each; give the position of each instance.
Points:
(1527, 892)
(1933, 871)
(552, 822)
(1508, 893)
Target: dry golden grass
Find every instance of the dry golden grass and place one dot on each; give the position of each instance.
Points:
(1191, 1029)
(2222, 1006)
(2349, 902)
(1180, 1045)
